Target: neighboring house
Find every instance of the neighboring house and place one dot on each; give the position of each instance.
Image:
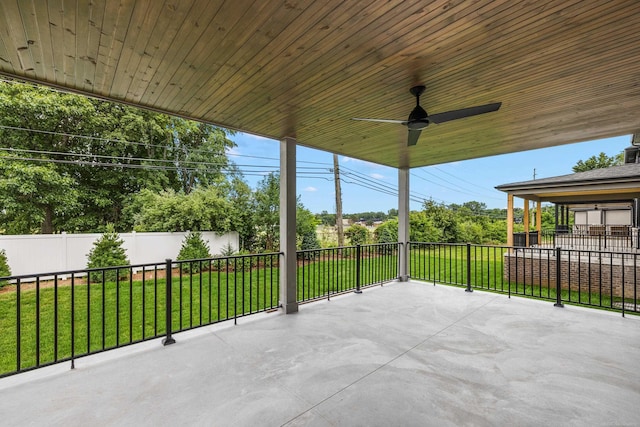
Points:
(596, 209)
(597, 217)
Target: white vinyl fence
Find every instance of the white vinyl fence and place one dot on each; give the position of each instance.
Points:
(48, 253)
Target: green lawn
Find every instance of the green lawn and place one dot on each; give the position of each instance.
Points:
(448, 265)
(133, 311)
(317, 279)
(114, 314)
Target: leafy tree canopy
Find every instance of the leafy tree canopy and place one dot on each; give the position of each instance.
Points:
(597, 162)
(85, 157)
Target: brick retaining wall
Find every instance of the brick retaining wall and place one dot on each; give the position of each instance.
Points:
(601, 275)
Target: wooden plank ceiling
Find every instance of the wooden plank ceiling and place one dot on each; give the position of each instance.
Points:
(565, 71)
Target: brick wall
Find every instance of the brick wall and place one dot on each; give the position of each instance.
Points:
(600, 274)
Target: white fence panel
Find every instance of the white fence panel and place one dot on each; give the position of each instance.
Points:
(48, 253)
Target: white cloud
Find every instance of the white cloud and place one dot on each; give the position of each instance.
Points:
(311, 189)
(344, 159)
(232, 151)
(256, 137)
(377, 176)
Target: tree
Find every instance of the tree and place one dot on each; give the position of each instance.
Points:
(107, 251)
(421, 229)
(267, 212)
(306, 231)
(387, 232)
(326, 218)
(267, 216)
(105, 151)
(205, 209)
(471, 232)
(35, 197)
(198, 153)
(241, 214)
(597, 162)
(443, 220)
(306, 224)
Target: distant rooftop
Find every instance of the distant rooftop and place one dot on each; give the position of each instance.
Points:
(626, 172)
(616, 183)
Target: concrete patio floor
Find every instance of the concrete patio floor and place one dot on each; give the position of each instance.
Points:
(406, 354)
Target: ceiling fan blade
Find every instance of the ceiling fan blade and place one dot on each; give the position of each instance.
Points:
(413, 137)
(382, 120)
(464, 112)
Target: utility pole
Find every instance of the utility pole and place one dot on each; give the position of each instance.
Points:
(336, 177)
(534, 173)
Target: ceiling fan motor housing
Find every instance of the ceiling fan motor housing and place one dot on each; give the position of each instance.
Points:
(418, 119)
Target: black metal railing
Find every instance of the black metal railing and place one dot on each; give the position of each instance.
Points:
(520, 239)
(593, 278)
(609, 238)
(55, 317)
(326, 272)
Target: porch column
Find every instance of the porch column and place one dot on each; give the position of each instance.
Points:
(288, 275)
(539, 220)
(403, 223)
(509, 219)
(526, 221)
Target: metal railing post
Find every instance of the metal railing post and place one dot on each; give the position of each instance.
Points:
(558, 279)
(623, 286)
(73, 322)
(358, 252)
(168, 339)
(468, 268)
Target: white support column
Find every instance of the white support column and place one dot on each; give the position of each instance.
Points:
(288, 286)
(403, 223)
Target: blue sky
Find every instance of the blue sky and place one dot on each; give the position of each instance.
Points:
(456, 182)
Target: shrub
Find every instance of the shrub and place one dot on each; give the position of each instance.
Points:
(357, 234)
(227, 250)
(387, 232)
(107, 251)
(193, 247)
(310, 241)
(4, 267)
(246, 263)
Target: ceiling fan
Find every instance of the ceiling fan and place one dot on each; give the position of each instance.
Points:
(419, 119)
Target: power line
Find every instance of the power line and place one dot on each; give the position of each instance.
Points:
(360, 178)
(457, 188)
(164, 147)
(461, 179)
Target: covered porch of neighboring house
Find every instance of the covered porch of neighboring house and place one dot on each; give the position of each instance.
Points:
(596, 210)
(595, 238)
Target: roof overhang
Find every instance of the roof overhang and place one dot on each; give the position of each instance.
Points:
(565, 71)
(614, 184)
